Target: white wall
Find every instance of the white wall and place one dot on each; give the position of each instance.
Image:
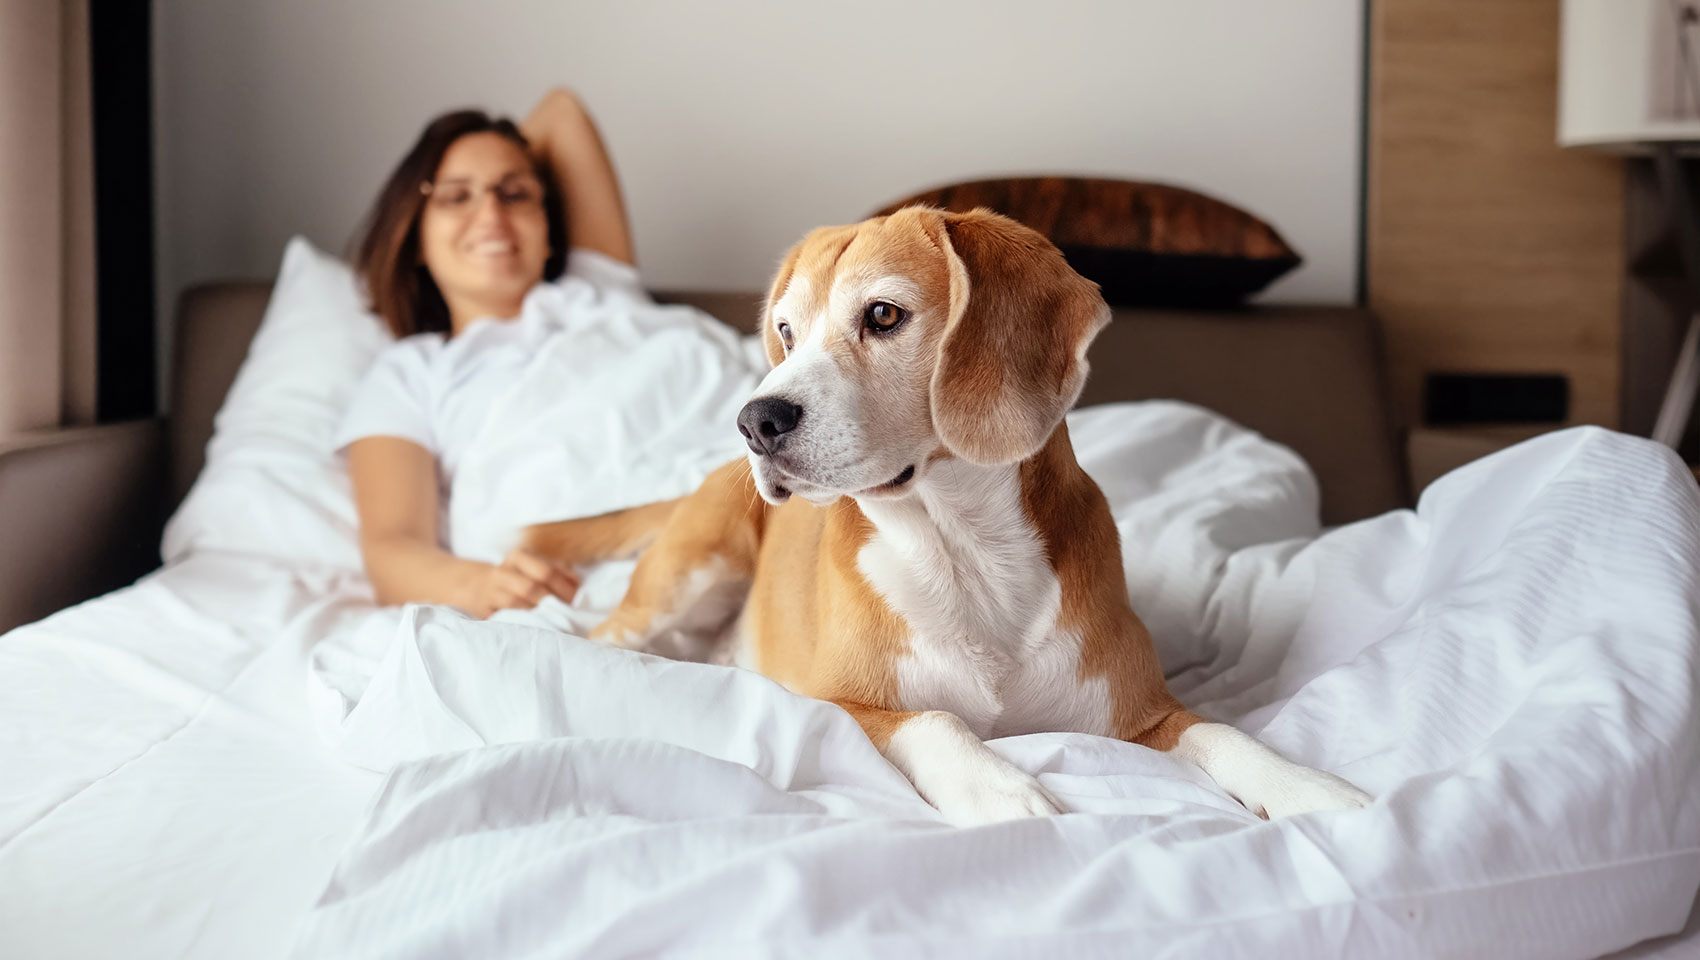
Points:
(737, 125)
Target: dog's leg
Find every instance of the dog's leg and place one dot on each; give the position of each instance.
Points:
(1267, 783)
(608, 536)
(951, 768)
(694, 577)
(685, 601)
(1080, 534)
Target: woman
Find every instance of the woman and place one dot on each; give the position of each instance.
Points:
(477, 214)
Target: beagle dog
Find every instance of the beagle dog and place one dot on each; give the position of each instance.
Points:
(911, 537)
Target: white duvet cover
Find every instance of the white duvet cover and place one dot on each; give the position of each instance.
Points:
(242, 757)
(1510, 670)
(162, 793)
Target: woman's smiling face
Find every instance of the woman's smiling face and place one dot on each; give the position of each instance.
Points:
(484, 234)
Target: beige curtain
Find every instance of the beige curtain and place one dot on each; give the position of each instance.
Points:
(46, 232)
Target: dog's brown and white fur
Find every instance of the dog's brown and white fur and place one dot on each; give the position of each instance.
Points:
(925, 551)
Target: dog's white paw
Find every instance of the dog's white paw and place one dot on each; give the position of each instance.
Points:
(1267, 783)
(1297, 789)
(960, 776)
(997, 795)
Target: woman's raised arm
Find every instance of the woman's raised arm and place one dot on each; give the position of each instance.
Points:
(563, 134)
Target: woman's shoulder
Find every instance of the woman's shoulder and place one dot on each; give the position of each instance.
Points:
(601, 271)
(407, 357)
(418, 346)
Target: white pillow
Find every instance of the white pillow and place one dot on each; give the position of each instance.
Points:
(273, 485)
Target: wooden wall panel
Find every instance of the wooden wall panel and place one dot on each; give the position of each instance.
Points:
(1488, 247)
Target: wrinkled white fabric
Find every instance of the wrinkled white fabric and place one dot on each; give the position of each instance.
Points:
(436, 391)
(623, 403)
(1510, 669)
(163, 793)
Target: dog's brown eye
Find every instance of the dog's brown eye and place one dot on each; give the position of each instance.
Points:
(785, 336)
(882, 316)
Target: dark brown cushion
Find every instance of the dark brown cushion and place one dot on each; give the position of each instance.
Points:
(1144, 244)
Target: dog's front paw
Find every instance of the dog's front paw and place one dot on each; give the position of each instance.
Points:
(1297, 789)
(1008, 794)
(960, 776)
(1267, 783)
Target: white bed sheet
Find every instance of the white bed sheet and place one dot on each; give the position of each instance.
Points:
(163, 791)
(1511, 670)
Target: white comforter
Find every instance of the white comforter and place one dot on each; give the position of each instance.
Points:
(241, 753)
(1511, 670)
(162, 791)
(627, 402)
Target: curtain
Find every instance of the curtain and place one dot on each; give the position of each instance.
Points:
(47, 324)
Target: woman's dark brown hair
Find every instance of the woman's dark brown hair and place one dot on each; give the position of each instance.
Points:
(387, 258)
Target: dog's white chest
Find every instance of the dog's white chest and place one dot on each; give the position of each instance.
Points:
(960, 562)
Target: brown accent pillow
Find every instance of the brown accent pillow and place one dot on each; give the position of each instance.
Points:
(1144, 244)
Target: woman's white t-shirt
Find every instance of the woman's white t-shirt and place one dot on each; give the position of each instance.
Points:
(436, 391)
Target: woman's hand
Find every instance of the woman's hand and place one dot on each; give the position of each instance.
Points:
(396, 494)
(520, 581)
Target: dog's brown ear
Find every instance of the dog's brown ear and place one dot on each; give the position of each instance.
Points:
(1013, 357)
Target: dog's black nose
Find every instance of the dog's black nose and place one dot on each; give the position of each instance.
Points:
(764, 421)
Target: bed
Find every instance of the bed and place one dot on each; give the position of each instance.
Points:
(191, 769)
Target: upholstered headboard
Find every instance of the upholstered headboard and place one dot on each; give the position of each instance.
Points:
(1307, 377)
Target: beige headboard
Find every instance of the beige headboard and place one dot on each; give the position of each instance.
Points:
(1308, 377)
